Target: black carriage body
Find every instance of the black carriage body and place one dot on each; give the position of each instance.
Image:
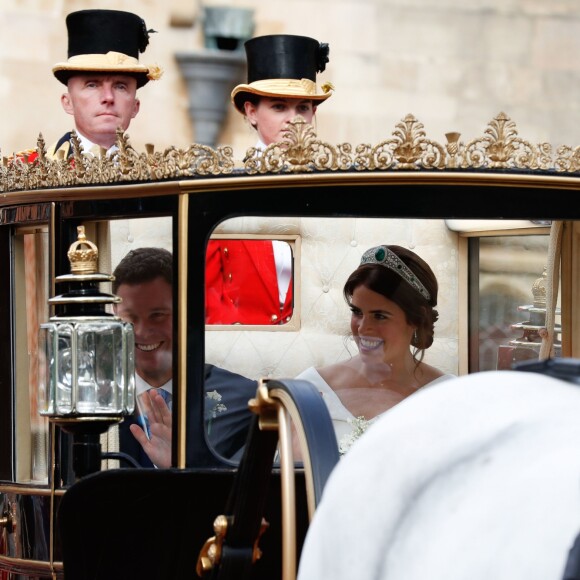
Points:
(151, 523)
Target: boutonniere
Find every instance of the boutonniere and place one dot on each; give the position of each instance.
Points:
(213, 407)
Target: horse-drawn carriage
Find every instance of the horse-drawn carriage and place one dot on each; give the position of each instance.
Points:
(494, 215)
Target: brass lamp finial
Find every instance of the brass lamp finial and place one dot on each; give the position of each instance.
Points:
(83, 260)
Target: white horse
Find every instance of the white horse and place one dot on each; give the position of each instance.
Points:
(476, 478)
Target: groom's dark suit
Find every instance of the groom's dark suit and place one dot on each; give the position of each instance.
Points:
(229, 428)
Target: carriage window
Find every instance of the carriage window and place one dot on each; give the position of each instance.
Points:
(142, 248)
(491, 302)
(508, 300)
(330, 249)
(31, 296)
(115, 239)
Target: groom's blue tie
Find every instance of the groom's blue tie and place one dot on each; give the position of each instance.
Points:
(144, 421)
(166, 396)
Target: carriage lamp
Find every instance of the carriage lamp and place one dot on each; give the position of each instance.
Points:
(86, 354)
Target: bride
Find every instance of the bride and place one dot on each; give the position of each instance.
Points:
(392, 297)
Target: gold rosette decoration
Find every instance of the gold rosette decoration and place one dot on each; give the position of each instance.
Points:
(155, 72)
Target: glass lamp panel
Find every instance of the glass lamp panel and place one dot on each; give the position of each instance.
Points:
(46, 368)
(63, 342)
(100, 367)
(129, 369)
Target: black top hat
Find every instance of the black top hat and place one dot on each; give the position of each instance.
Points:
(283, 65)
(106, 41)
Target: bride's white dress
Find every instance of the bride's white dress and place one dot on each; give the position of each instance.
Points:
(342, 419)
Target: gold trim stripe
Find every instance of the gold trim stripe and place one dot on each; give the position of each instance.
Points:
(183, 215)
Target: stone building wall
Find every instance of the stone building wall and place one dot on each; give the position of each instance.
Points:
(453, 64)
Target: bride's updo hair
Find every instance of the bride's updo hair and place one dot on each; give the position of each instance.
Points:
(417, 304)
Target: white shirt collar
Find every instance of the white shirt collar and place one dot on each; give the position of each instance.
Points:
(87, 144)
(141, 385)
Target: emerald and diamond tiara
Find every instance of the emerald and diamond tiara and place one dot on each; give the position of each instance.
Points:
(387, 258)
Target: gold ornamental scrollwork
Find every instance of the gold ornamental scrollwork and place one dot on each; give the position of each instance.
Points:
(408, 148)
(37, 169)
(568, 159)
(301, 151)
(502, 148)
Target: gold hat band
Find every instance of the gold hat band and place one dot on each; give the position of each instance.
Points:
(284, 88)
(111, 61)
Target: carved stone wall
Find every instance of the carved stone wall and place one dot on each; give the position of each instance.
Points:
(452, 64)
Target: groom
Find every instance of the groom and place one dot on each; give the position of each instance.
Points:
(144, 282)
